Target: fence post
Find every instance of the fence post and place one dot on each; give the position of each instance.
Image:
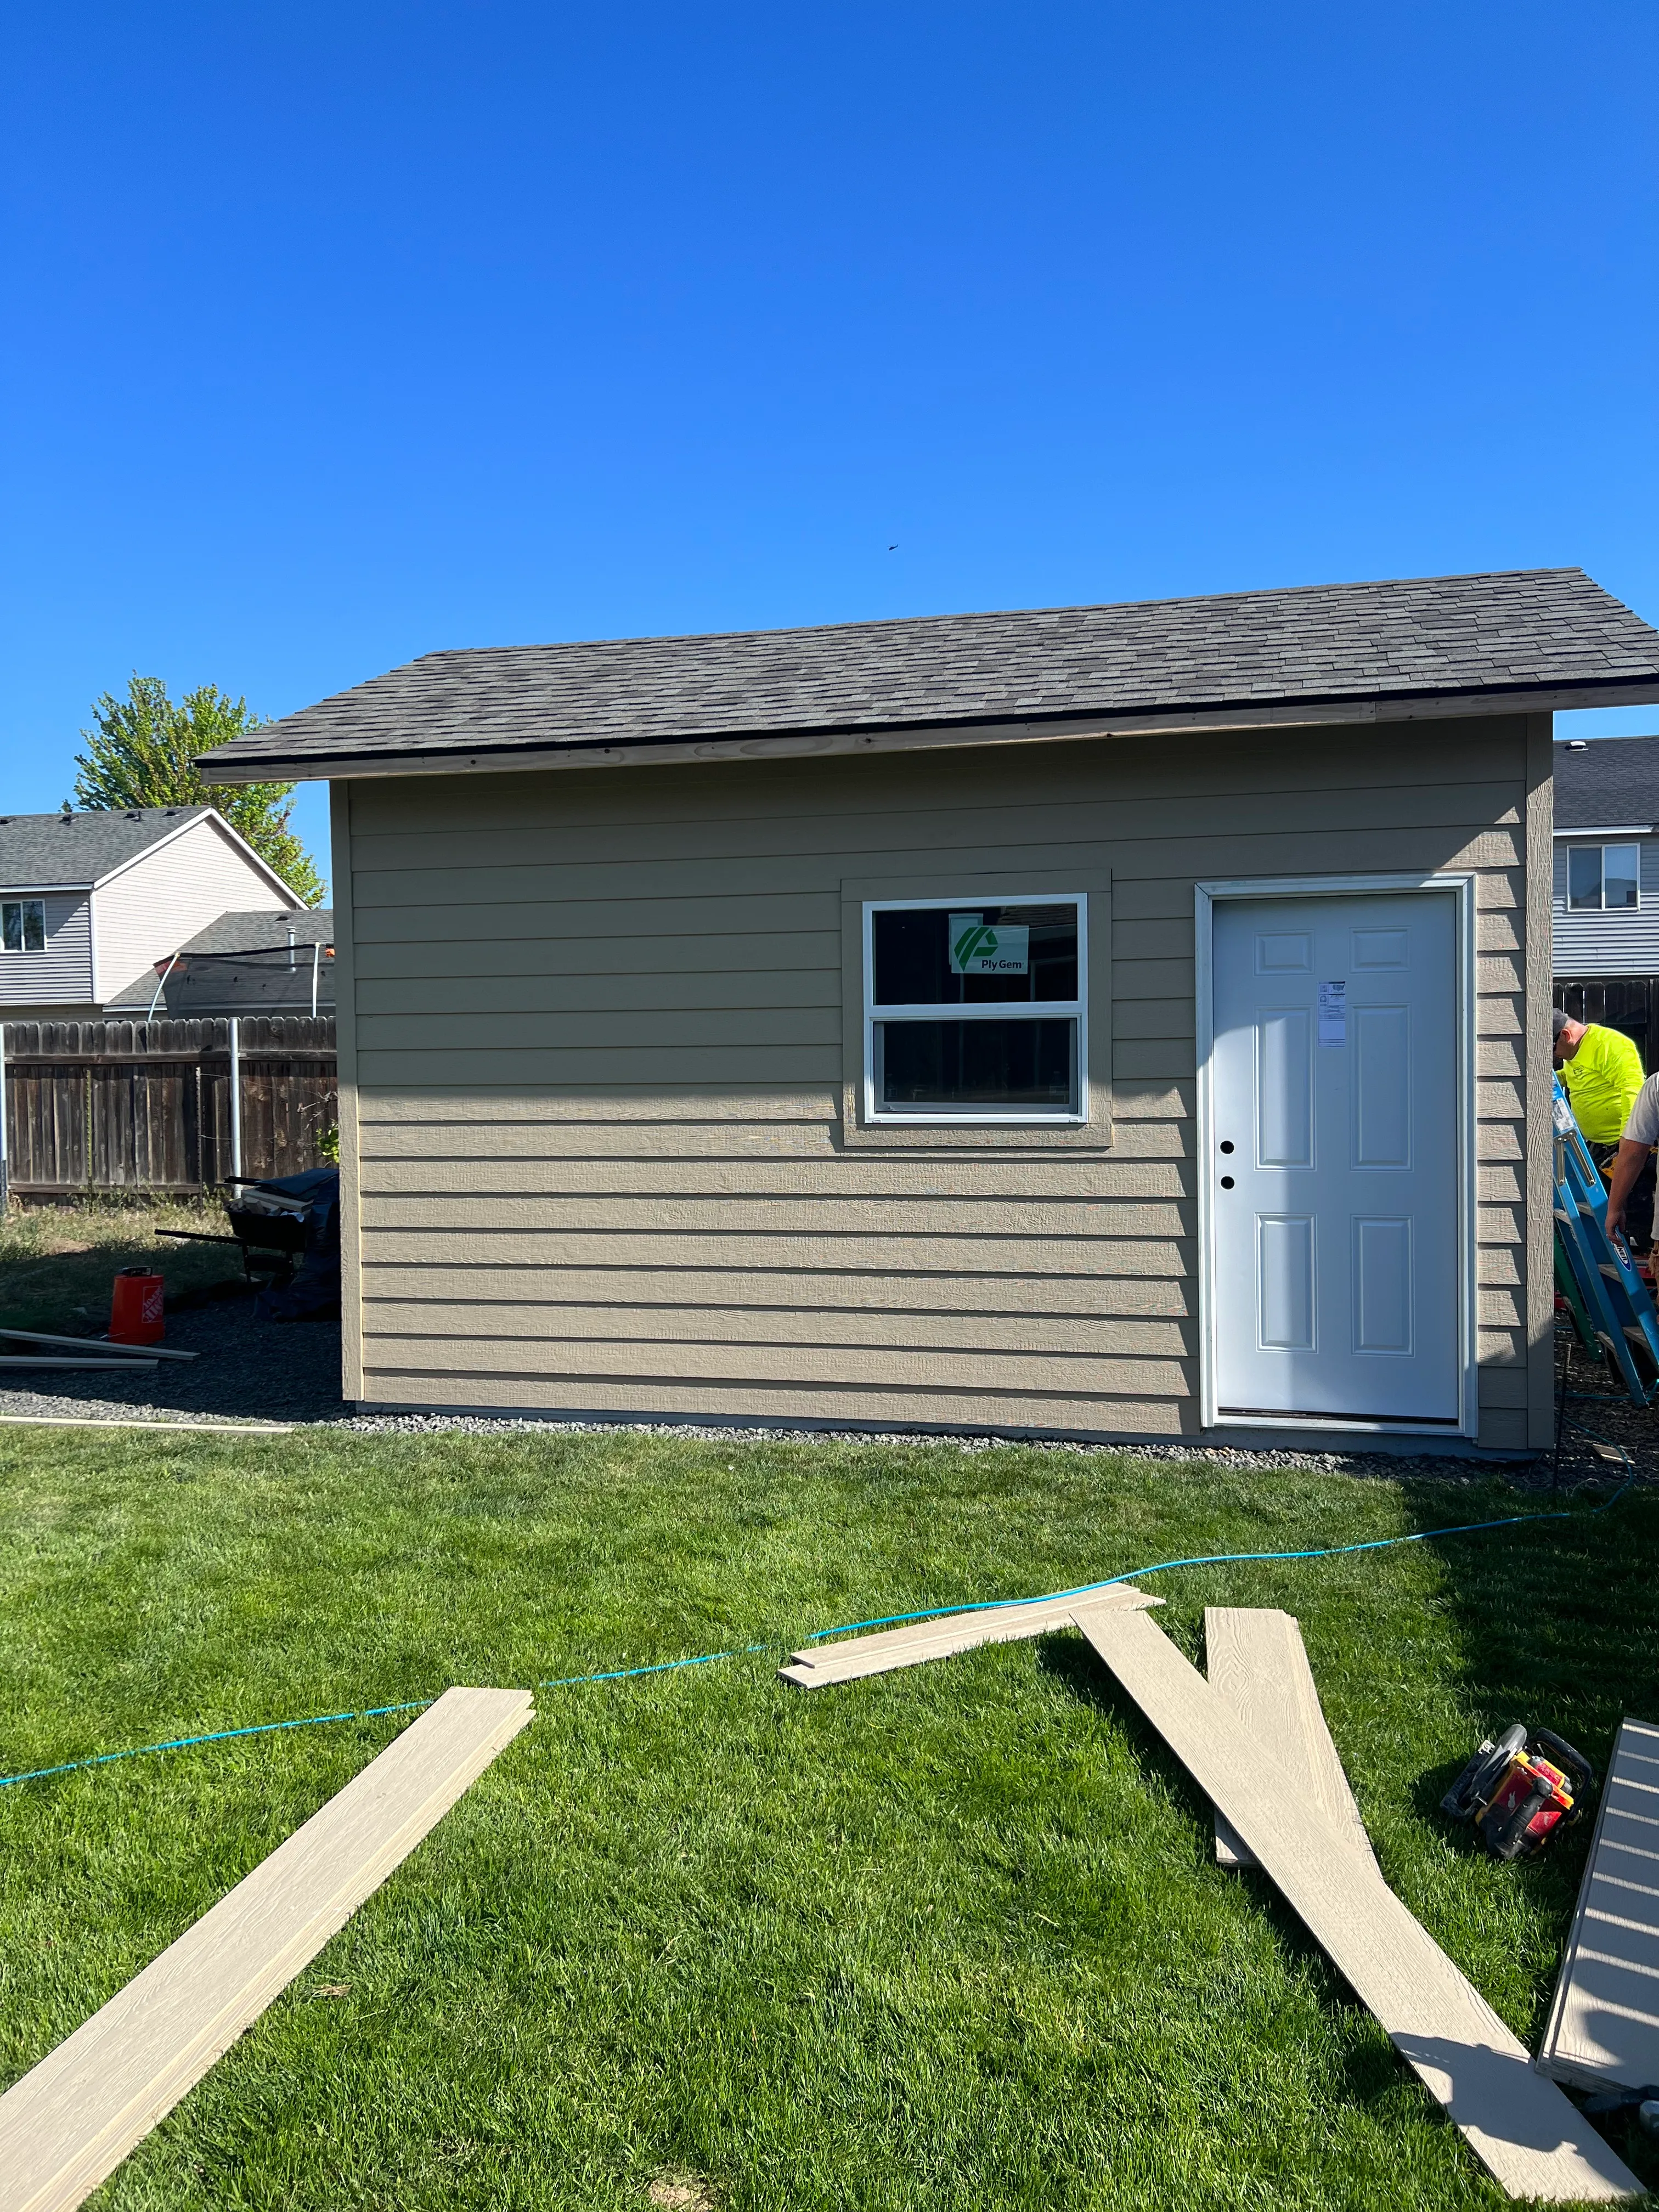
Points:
(5, 1155)
(235, 1098)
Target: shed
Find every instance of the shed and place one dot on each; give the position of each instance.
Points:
(1111, 1021)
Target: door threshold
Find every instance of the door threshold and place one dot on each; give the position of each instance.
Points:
(1258, 1416)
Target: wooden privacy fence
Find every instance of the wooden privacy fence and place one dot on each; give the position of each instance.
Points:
(164, 1105)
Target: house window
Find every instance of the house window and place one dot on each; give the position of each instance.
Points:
(1603, 876)
(23, 925)
(974, 1010)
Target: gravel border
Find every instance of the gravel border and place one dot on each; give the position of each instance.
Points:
(251, 1371)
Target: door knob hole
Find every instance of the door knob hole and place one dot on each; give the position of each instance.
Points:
(1227, 1145)
(1226, 1182)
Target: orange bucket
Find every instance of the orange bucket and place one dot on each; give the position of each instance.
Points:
(136, 1308)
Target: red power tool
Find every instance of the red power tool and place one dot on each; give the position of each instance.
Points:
(1517, 1796)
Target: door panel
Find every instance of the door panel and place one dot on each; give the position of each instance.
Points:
(1334, 1156)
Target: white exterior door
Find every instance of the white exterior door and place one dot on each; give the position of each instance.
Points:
(1334, 1157)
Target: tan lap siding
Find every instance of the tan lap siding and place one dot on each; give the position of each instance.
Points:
(597, 1027)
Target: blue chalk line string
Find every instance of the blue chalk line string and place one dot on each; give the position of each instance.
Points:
(1230, 1559)
(849, 1628)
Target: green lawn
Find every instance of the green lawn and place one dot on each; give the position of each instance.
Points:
(952, 1938)
(56, 1262)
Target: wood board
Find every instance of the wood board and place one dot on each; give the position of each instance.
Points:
(820, 1664)
(1254, 1658)
(72, 2120)
(1603, 2030)
(1520, 2126)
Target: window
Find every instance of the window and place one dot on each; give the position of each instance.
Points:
(1602, 876)
(23, 925)
(974, 1009)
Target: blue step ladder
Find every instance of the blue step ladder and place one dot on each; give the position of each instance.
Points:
(1611, 1296)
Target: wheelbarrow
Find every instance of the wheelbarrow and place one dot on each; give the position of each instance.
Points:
(283, 1225)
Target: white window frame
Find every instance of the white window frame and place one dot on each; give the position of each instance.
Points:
(1603, 847)
(24, 952)
(1076, 1010)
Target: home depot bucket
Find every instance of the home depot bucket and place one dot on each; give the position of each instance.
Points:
(135, 1313)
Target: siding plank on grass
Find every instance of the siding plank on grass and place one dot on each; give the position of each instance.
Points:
(1520, 2126)
(70, 2121)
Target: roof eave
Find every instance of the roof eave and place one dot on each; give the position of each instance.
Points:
(796, 743)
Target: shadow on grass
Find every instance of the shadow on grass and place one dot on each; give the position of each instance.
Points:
(1555, 1623)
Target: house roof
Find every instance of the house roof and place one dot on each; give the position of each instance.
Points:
(265, 932)
(76, 851)
(1343, 651)
(218, 960)
(1613, 783)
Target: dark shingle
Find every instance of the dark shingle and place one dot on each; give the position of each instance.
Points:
(1613, 782)
(1455, 636)
(39, 849)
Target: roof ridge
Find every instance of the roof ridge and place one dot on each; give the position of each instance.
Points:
(990, 614)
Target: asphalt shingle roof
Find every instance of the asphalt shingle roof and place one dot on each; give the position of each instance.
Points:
(265, 930)
(39, 849)
(1613, 781)
(1537, 628)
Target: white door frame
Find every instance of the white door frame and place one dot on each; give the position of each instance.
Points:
(1461, 885)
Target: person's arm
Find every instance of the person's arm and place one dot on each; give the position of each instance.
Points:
(1628, 1164)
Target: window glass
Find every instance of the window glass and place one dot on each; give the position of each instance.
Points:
(1006, 980)
(1619, 872)
(938, 1064)
(23, 925)
(1583, 875)
(974, 954)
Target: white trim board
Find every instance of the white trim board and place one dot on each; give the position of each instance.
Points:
(1461, 883)
(70, 2121)
(1521, 2127)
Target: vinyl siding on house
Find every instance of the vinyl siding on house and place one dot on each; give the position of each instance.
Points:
(1599, 944)
(61, 974)
(148, 911)
(593, 1027)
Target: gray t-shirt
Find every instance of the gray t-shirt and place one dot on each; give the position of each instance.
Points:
(1643, 1127)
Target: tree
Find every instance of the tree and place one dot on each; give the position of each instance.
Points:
(143, 753)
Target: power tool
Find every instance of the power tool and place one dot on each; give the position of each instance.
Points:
(1520, 1789)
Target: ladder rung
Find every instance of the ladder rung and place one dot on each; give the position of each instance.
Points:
(1637, 1336)
(1612, 1273)
(1590, 1212)
(1565, 1218)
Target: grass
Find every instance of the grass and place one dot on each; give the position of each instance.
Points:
(951, 1938)
(56, 1263)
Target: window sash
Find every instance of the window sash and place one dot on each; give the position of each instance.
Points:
(1590, 867)
(1071, 1011)
(23, 925)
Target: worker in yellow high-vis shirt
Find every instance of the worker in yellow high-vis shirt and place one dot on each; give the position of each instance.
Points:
(1602, 1072)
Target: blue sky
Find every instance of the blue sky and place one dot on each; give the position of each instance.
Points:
(334, 336)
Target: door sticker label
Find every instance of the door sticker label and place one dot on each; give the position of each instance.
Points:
(1333, 1013)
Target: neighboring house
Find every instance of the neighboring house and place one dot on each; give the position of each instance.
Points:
(1607, 885)
(90, 900)
(266, 963)
(1125, 1021)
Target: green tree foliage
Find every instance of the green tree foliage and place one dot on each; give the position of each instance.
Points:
(143, 753)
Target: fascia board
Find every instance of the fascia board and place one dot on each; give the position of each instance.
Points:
(795, 745)
(1615, 830)
(34, 889)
